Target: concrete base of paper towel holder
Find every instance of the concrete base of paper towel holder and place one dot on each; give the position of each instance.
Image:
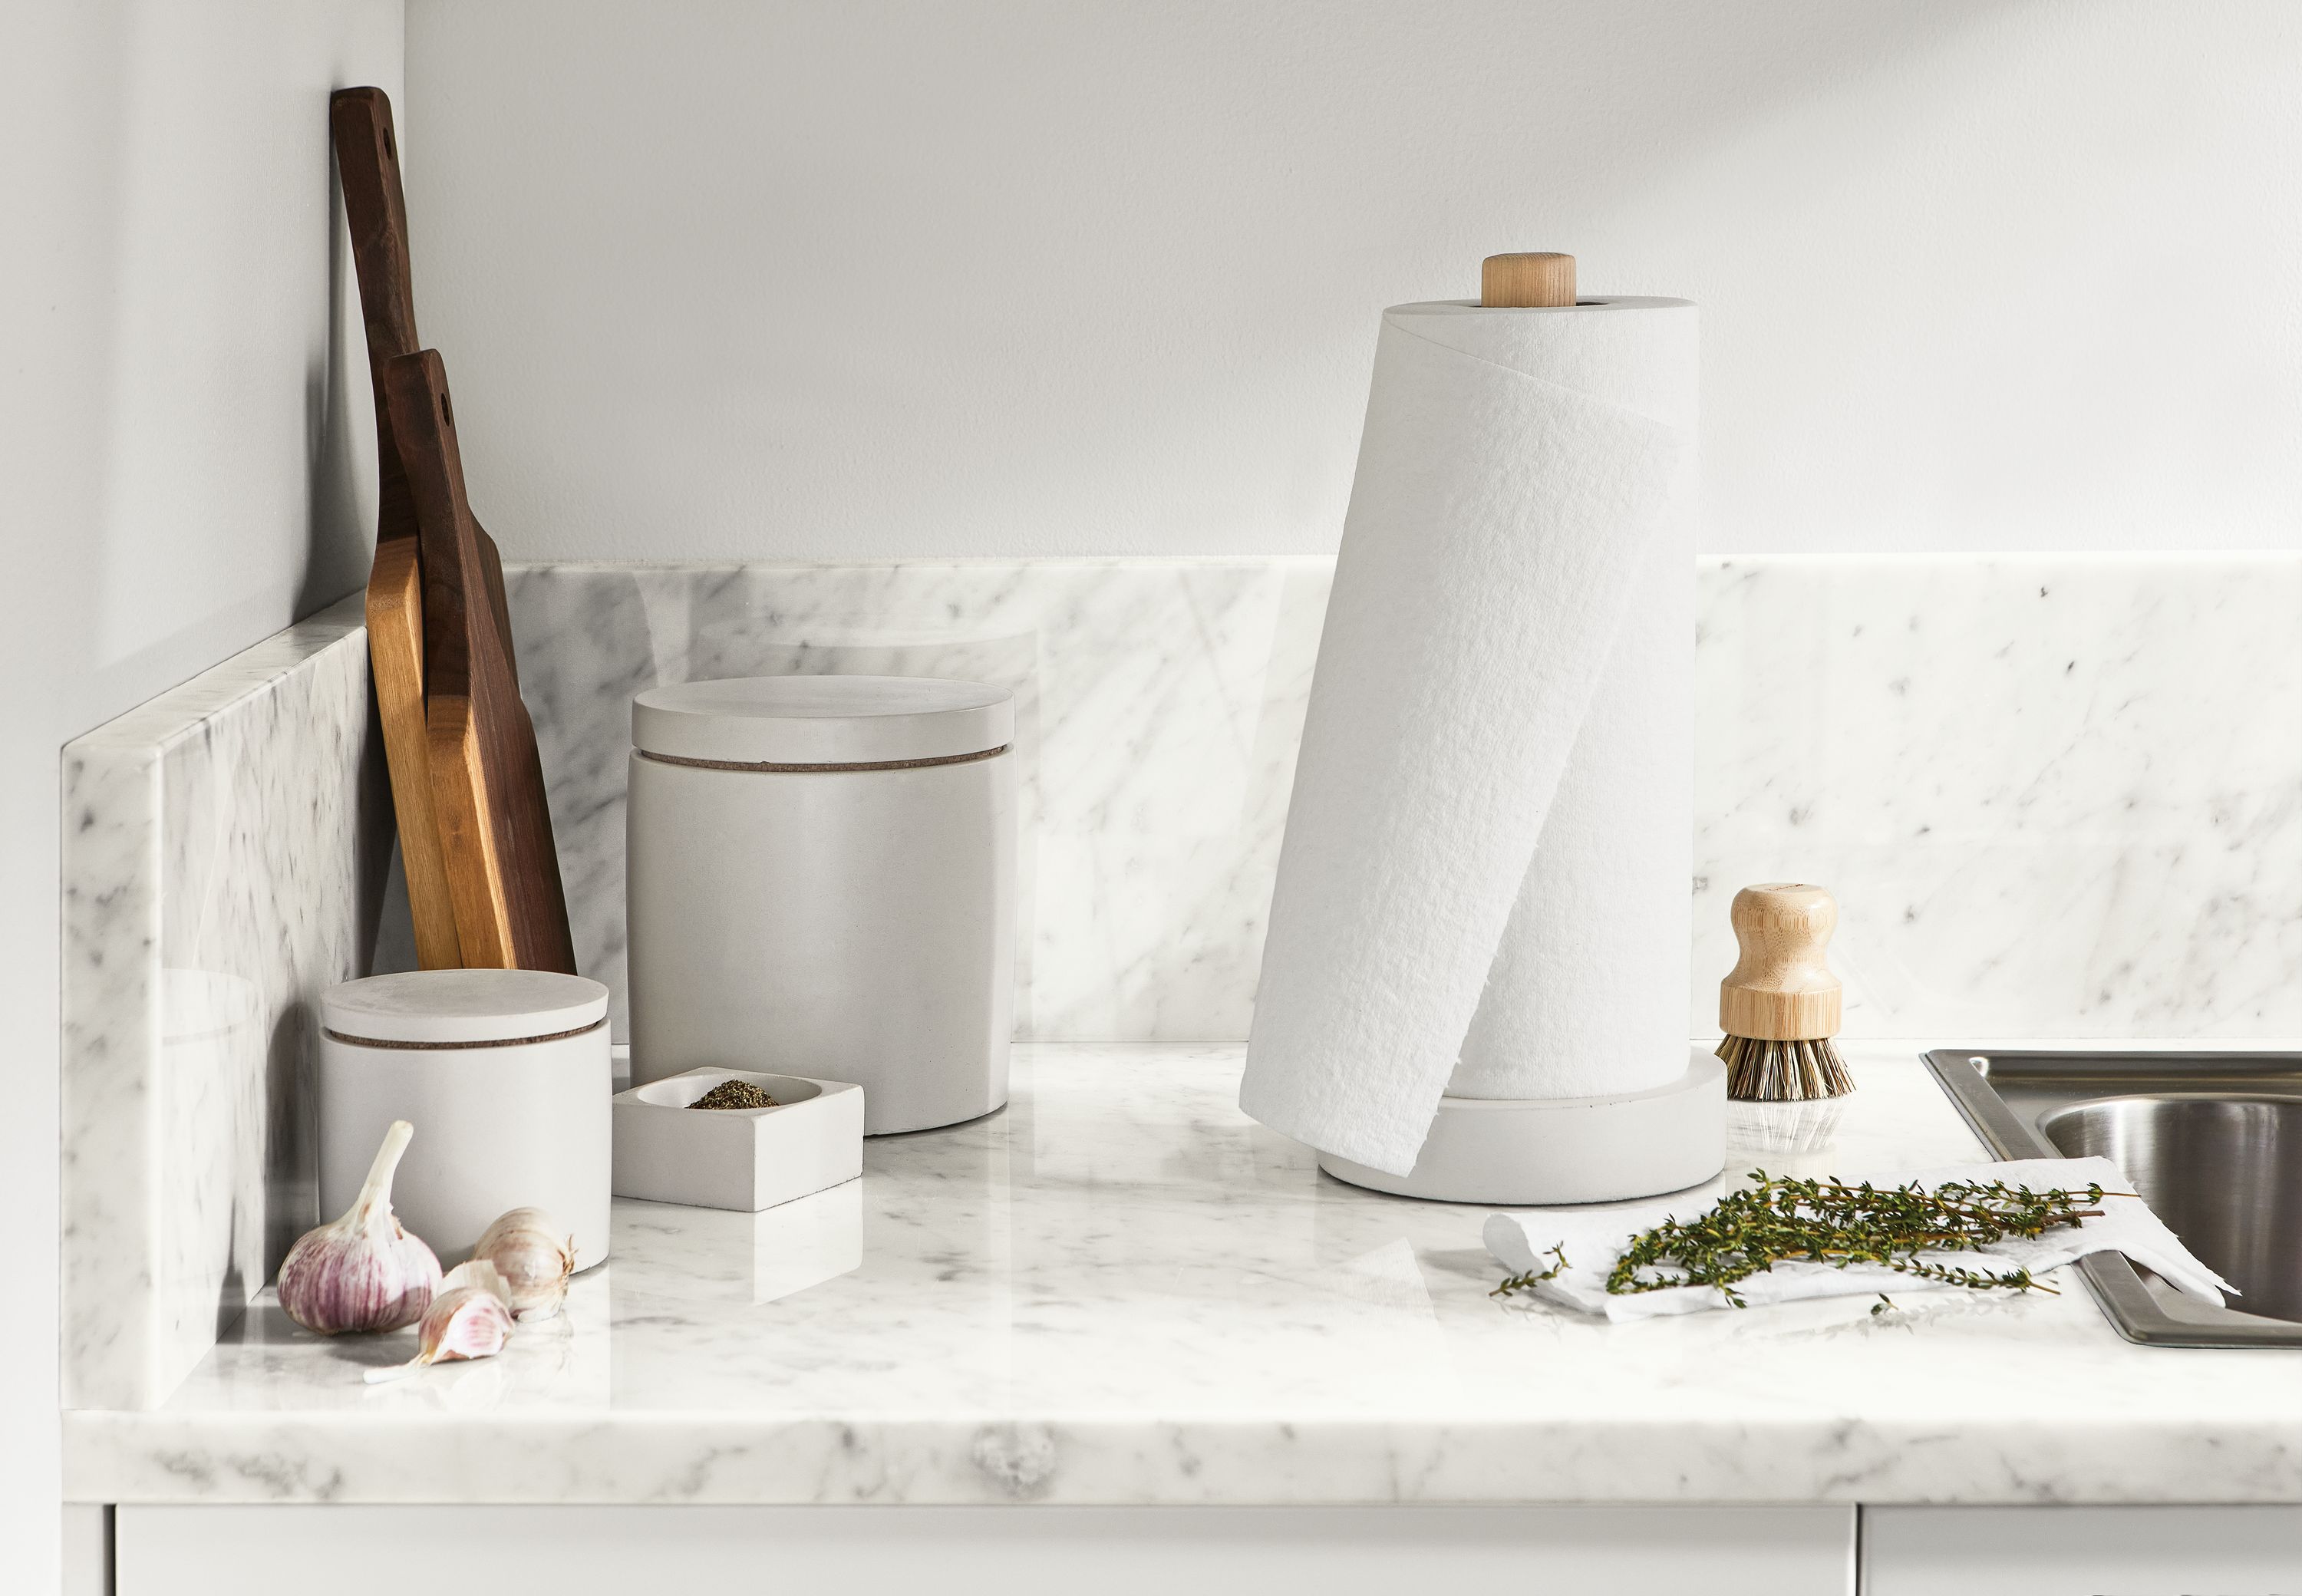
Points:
(1533, 1153)
(746, 1159)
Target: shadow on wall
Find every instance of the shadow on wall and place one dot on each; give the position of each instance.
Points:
(387, 933)
(234, 468)
(292, 1166)
(341, 529)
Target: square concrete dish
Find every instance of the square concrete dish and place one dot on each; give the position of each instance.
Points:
(746, 1159)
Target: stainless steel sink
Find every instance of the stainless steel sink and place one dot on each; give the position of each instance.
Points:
(2213, 1141)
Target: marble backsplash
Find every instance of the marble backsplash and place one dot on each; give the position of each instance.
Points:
(1159, 704)
(2055, 796)
(223, 861)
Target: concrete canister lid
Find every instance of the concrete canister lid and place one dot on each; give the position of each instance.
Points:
(462, 1007)
(773, 721)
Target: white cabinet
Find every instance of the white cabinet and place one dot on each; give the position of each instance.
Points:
(87, 1568)
(989, 1552)
(2081, 1552)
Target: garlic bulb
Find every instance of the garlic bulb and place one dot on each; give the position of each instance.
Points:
(535, 1256)
(362, 1272)
(471, 1317)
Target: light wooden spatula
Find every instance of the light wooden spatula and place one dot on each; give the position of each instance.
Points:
(487, 785)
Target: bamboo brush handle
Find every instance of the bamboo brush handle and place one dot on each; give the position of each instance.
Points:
(1527, 280)
(1780, 990)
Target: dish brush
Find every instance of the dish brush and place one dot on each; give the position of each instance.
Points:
(1780, 1007)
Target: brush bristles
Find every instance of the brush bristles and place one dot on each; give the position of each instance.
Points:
(1758, 1071)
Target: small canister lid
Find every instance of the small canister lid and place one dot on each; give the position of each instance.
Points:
(437, 1007)
(823, 720)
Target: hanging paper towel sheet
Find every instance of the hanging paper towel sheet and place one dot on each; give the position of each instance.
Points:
(1485, 886)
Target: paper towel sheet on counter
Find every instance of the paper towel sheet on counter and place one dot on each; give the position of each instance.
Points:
(1592, 1238)
(1488, 851)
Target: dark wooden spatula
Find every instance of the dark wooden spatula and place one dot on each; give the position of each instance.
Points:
(367, 158)
(487, 785)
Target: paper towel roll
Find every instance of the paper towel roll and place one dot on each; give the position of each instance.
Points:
(1485, 870)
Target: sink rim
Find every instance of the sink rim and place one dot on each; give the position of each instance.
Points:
(2085, 1107)
(2292, 1099)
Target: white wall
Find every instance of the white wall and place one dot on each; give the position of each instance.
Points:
(788, 277)
(183, 438)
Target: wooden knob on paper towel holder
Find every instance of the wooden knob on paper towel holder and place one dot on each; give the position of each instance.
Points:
(1540, 279)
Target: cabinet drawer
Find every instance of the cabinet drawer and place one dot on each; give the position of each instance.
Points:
(993, 1551)
(2081, 1552)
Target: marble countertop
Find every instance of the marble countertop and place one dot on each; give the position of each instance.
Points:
(1121, 1290)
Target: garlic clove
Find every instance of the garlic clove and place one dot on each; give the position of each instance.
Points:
(478, 1275)
(535, 1256)
(362, 1271)
(471, 1317)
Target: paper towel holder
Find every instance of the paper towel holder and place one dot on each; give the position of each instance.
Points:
(1541, 279)
(1533, 1152)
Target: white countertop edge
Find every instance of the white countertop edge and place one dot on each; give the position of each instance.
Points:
(682, 1458)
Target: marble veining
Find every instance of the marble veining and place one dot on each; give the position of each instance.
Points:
(222, 863)
(1157, 707)
(2054, 794)
(1121, 1290)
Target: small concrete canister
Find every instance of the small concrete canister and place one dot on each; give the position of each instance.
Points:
(504, 1074)
(822, 883)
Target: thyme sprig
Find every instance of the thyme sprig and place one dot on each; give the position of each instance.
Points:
(1773, 1220)
(1534, 1278)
